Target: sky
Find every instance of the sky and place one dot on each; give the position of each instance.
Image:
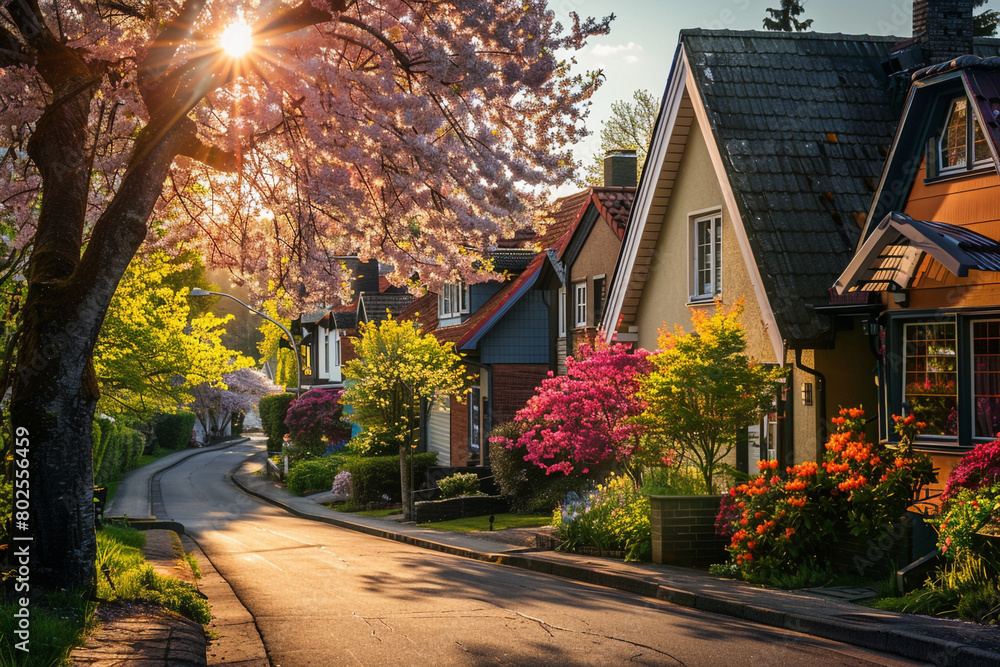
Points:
(638, 51)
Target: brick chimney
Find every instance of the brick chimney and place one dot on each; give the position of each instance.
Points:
(620, 167)
(366, 277)
(943, 28)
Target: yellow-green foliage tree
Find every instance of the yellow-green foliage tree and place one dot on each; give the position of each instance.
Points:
(704, 388)
(270, 348)
(398, 366)
(151, 350)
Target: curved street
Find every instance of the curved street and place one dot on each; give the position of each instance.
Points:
(323, 595)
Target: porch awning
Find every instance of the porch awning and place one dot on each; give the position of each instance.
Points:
(890, 256)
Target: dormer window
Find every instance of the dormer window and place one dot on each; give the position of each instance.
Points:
(453, 301)
(961, 132)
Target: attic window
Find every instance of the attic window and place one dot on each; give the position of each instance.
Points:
(453, 300)
(953, 146)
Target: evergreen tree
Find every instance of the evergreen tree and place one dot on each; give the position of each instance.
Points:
(985, 24)
(784, 19)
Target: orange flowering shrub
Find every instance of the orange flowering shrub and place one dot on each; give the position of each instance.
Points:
(776, 522)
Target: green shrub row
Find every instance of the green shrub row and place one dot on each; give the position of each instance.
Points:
(273, 410)
(173, 431)
(371, 476)
(115, 449)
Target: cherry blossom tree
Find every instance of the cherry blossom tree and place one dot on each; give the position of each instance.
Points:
(416, 133)
(240, 391)
(585, 418)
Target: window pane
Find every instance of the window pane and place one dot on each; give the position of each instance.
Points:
(703, 254)
(982, 148)
(986, 377)
(465, 298)
(930, 376)
(953, 139)
(717, 257)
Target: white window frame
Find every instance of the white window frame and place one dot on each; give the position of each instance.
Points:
(714, 216)
(335, 346)
(454, 300)
(562, 312)
(580, 304)
(970, 122)
(598, 294)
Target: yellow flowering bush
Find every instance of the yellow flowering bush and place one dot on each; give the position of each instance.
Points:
(613, 517)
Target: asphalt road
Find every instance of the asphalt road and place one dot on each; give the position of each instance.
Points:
(323, 595)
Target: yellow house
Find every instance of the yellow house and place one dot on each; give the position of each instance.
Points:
(759, 175)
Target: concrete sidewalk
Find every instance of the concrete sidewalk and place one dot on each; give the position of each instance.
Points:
(133, 498)
(934, 640)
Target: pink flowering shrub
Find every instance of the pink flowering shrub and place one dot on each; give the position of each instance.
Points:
(979, 468)
(971, 509)
(585, 418)
(315, 421)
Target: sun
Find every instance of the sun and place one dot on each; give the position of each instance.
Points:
(237, 39)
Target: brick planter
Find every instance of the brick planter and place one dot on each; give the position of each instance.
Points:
(458, 508)
(683, 530)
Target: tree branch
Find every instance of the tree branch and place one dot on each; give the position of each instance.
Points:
(211, 156)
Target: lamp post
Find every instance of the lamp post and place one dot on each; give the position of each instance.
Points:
(197, 291)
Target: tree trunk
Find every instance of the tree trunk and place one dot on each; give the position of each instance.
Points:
(53, 400)
(404, 477)
(55, 390)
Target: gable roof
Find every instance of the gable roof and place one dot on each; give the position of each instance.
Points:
(377, 307)
(468, 333)
(524, 266)
(800, 123)
(976, 78)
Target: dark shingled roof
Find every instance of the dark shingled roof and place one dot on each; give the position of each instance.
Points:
(344, 320)
(803, 122)
(377, 307)
(511, 260)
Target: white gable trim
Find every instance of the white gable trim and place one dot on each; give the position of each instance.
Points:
(680, 81)
(644, 194)
(767, 314)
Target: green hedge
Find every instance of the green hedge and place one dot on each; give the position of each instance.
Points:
(375, 476)
(371, 476)
(115, 449)
(173, 431)
(272, 418)
(313, 475)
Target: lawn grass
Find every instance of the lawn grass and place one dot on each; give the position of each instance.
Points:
(478, 524)
(59, 622)
(347, 506)
(381, 513)
(56, 626)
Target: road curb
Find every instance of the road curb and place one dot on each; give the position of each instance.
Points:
(941, 652)
(180, 460)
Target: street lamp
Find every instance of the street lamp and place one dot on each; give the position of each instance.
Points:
(197, 291)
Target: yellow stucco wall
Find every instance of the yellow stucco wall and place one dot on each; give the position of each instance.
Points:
(665, 296)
